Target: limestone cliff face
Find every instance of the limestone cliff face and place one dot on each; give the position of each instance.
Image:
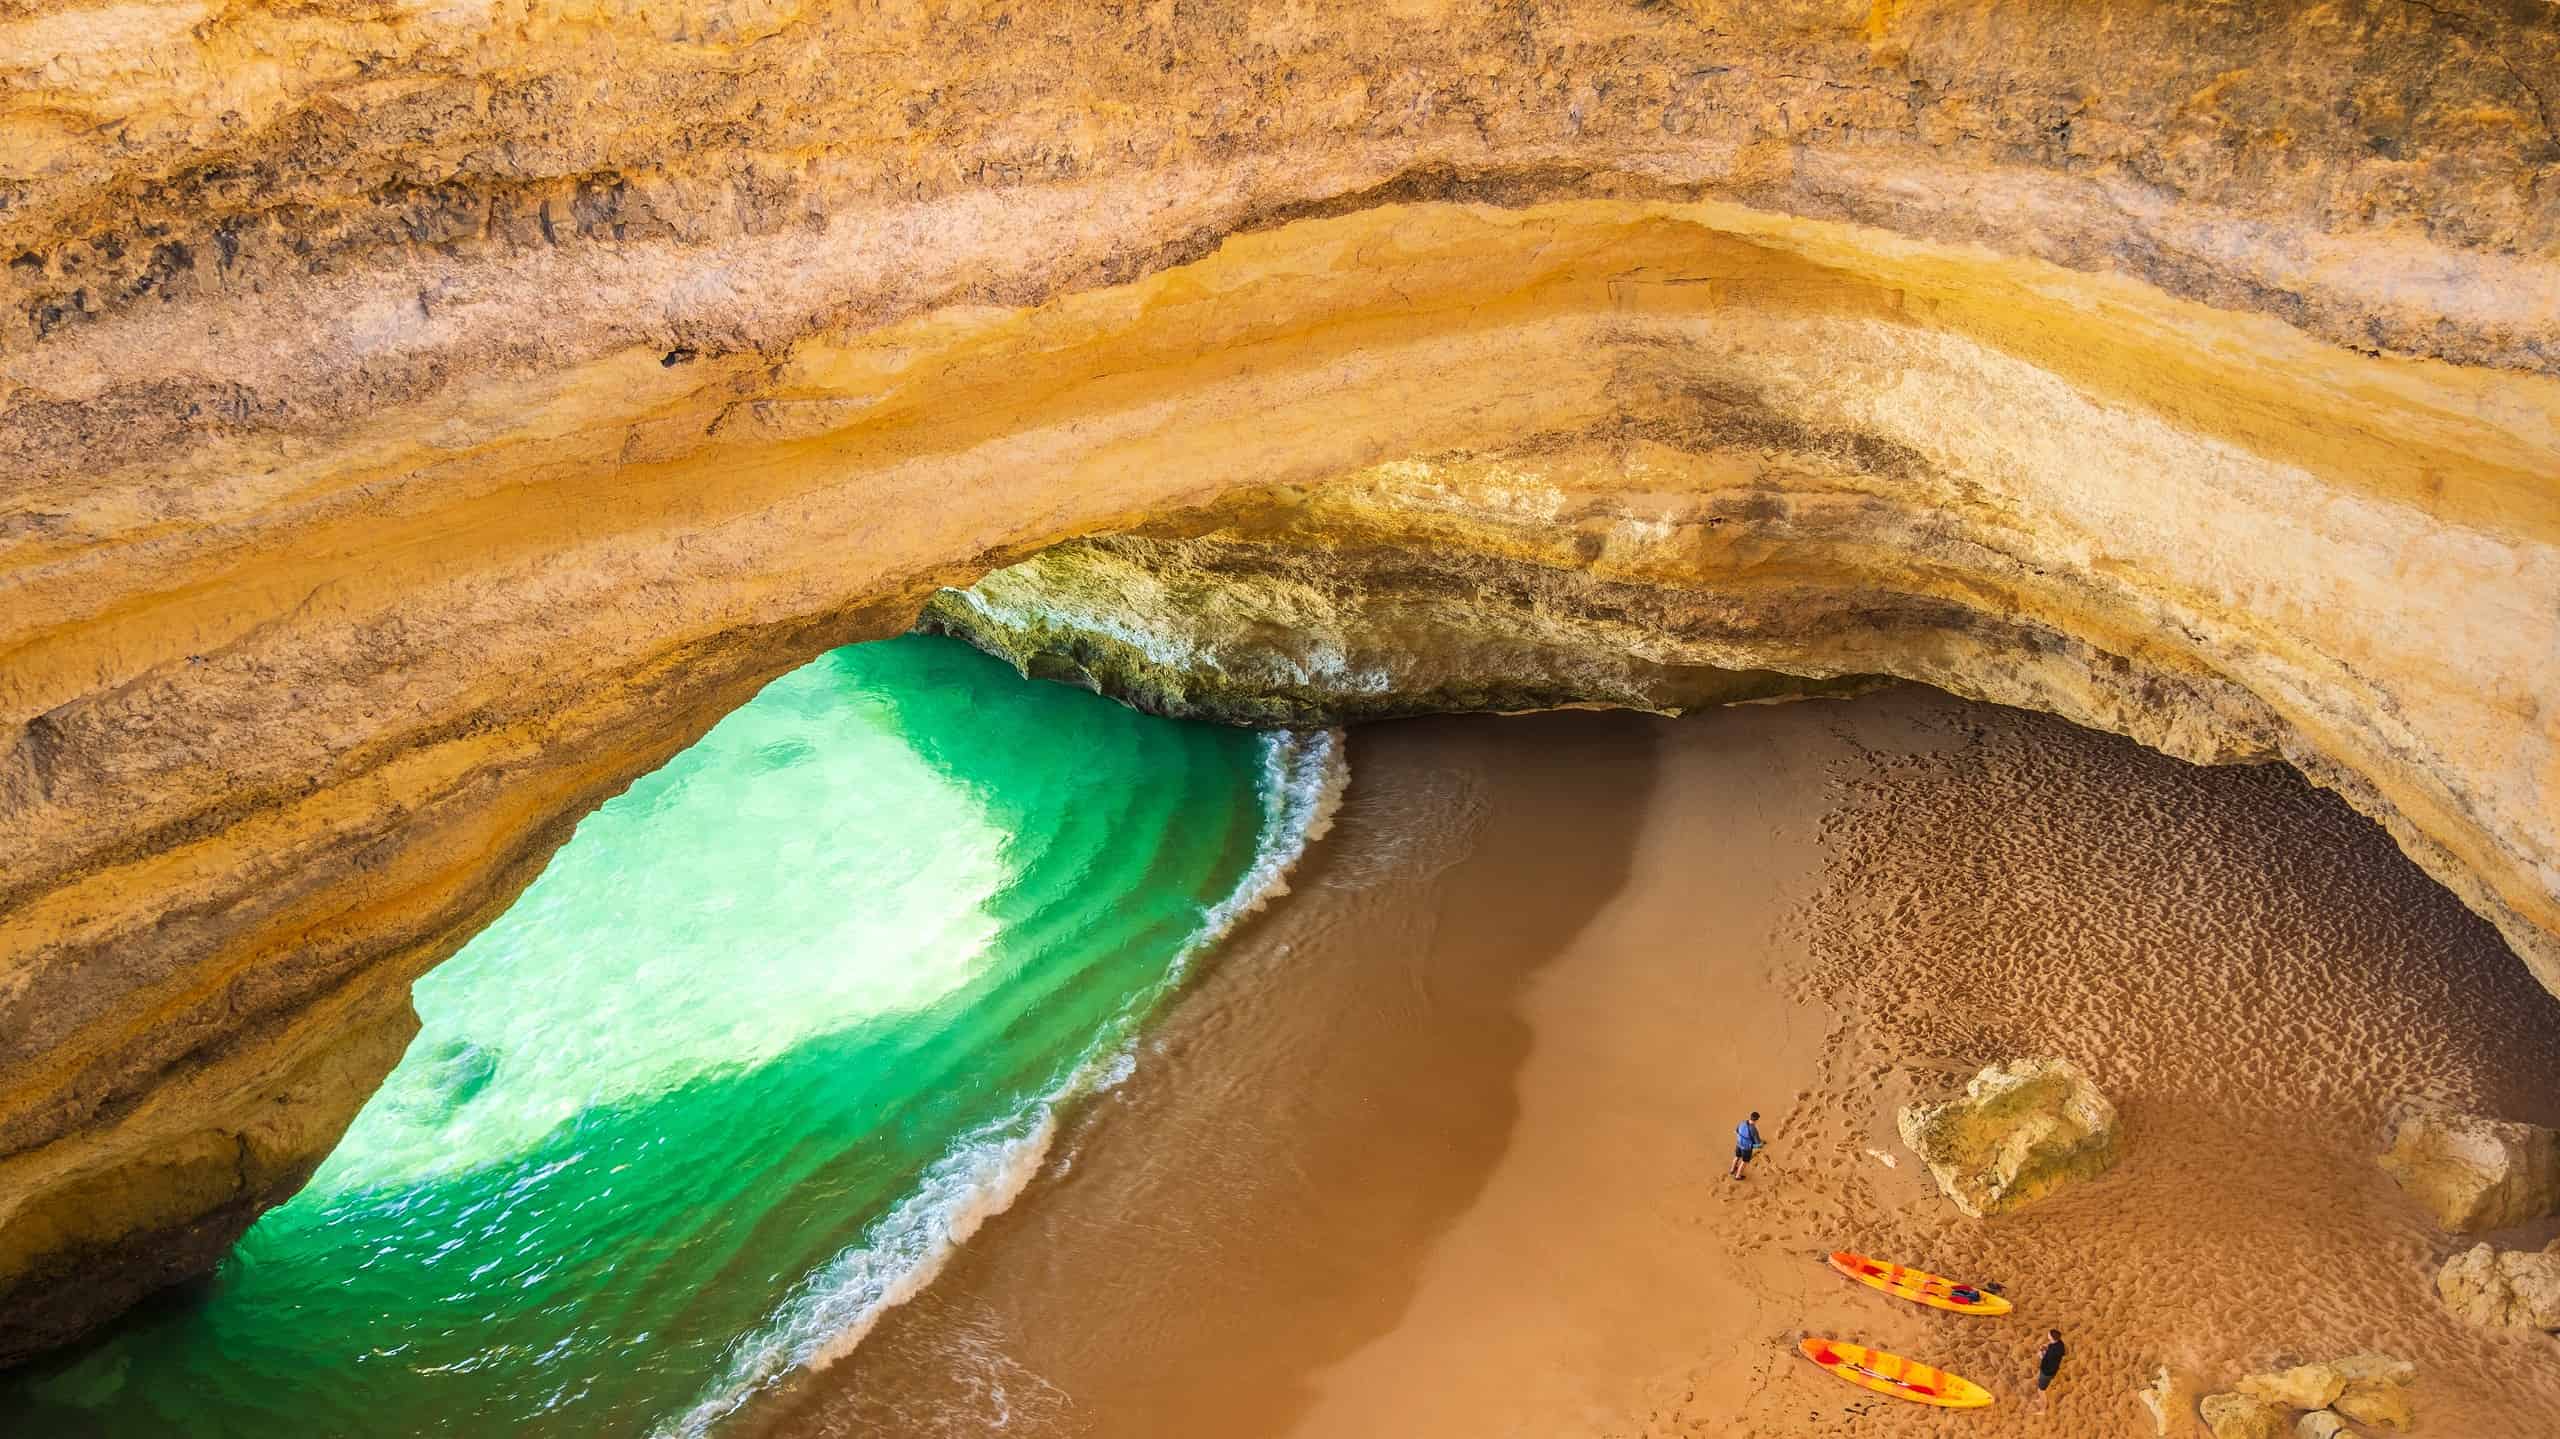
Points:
(417, 422)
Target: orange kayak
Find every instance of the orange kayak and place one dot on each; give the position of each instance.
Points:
(1918, 1287)
(1892, 1374)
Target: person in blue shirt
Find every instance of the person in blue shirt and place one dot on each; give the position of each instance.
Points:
(1747, 1142)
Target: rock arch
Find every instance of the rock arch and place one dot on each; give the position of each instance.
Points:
(409, 447)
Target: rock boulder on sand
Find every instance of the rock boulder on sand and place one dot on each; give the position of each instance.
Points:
(2238, 1416)
(2377, 1390)
(2304, 1386)
(2386, 1408)
(2474, 1173)
(2319, 1424)
(2170, 1399)
(2021, 1130)
(2503, 1289)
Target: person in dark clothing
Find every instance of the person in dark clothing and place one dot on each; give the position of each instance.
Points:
(1746, 1142)
(2048, 1364)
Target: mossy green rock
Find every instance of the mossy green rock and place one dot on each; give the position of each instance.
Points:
(2021, 1130)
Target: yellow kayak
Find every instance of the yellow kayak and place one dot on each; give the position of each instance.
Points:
(1918, 1287)
(1892, 1374)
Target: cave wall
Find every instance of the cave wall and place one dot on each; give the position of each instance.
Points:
(416, 423)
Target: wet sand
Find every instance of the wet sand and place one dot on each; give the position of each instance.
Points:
(1437, 1147)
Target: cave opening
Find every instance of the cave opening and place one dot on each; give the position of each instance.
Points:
(789, 1017)
(420, 430)
(781, 1023)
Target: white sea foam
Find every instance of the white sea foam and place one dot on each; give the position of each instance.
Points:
(1303, 776)
(830, 1313)
(834, 1309)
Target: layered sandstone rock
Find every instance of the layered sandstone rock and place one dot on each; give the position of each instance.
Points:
(412, 428)
(2474, 1173)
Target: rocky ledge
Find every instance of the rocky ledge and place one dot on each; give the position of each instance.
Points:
(412, 429)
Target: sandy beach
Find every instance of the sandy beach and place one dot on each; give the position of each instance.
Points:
(1437, 1147)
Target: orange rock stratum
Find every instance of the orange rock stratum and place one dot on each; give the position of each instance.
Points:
(415, 422)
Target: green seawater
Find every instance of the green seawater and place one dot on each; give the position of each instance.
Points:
(779, 1026)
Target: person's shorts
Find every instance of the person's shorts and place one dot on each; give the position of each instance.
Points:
(2044, 1378)
(1739, 1152)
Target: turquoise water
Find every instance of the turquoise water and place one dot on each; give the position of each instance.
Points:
(774, 1030)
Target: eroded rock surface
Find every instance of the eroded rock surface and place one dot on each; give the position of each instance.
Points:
(2308, 1401)
(2242, 1416)
(2303, 1386)
(2020, 1131)
(2503, 1288)
(2473, 1173)
(412, 429)
(2377, 1391)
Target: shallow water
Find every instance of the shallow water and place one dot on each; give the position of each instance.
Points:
(1439, 1150)
(774, 1030)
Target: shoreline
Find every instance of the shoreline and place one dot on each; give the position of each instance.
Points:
(1437, 1147)
(1304, 776)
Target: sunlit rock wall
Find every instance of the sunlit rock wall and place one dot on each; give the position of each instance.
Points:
(416, 422)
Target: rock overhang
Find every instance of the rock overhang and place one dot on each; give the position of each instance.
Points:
(406, 465)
